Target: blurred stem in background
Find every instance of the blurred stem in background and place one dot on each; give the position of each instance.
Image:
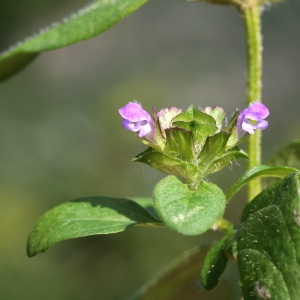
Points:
(252, 19)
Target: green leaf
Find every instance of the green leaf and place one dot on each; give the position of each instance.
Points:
(199, 123)
(178, 139)
(227, 158)
(200, 134)
(217, 113)
(185, 211)
(216, 260)
(232, 123)
(259, 171)
(84, 217)
(287, 156)
(214, 148)
(231, 127)
(85, 24)
(167, 164)
(192, 114)
(268, 246)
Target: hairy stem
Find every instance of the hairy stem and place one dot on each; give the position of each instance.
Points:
(254, 85)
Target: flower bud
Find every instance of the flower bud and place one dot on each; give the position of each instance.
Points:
(252, 118)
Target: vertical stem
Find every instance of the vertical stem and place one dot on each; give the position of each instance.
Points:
(254, 86)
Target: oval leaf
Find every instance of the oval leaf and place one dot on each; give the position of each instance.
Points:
(185, 211)
(256, 172)
(85, 217)
(85, 24)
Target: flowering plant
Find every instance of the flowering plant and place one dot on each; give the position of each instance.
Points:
(193, 143)
(189, 145)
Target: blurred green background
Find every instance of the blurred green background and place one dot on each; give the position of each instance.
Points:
(61, 136)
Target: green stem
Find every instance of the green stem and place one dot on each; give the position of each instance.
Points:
(223, 225)
(254, 85)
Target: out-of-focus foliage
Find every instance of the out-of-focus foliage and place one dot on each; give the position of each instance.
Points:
(85, 24)
(177, 281)
(59, 129)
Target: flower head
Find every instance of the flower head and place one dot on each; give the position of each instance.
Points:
(191, 143)
(252, 118)
(136, 119)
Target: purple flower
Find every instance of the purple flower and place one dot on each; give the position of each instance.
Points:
(136, 119)
(252, 118)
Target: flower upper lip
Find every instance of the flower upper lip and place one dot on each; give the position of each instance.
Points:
(135, 118)
(134, 112)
